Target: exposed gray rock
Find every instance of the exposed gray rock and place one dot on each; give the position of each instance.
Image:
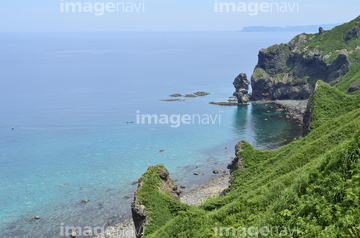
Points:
(353, 33)
(241, 84)
(236, 163)
(309, 114)
(288, 71)
(354, 86)
(73, 235)
(273, 59)
(138, 209)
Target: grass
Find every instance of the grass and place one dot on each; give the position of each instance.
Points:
(161, 207)
(311, 185)
(331, 102)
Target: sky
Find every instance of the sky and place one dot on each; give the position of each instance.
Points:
(169, 15)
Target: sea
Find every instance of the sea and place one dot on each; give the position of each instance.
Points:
(69, 128)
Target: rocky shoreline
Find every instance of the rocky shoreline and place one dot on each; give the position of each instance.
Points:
(195, 197)
(200, 194)
(294, 109)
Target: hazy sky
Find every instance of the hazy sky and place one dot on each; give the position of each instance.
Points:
(173, 15)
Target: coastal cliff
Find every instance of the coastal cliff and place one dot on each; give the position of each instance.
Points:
(308, 188)
(290, 71)
(156, 190)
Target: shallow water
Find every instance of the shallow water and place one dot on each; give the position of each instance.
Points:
(69, 96)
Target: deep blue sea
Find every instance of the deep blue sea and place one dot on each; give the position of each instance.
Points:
(69, 96)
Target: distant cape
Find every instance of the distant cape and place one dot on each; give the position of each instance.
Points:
(308, 28)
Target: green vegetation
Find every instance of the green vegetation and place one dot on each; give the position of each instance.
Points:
(311, 186)
(350, 78)
(305, 79)
(331, 103)
(334, 39)
(160, 206)
(259, 72)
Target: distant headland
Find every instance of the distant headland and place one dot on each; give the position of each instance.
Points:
(307, 28)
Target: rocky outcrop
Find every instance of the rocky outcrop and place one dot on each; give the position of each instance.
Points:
(236, 163)
(354, 86)
(289, 71)
(241, 84)
(293, 108)
(309, 114)
(138, 208)
(353, 33)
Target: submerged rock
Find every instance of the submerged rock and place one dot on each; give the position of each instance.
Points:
(73, 235)
(175, 95)
(201, 94)
(190, 96)
(135, 182)
(172, 100)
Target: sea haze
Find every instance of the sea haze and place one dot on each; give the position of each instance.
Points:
(68, 98)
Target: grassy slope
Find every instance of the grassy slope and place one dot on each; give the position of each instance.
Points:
(312, 184)
(161, 207)
(331, 103)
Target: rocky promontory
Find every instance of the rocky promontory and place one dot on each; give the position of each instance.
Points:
(154, 183)
(290, 71)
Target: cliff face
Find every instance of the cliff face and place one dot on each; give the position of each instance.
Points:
(154, 184)
(290, 71)
(236, 163)
(309, 114)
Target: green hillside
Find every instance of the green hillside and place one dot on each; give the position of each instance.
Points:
(308, 188)
(311, 186)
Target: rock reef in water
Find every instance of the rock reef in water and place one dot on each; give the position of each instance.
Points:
(241, 84)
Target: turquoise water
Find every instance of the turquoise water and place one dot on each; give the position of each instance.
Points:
(69, 96)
